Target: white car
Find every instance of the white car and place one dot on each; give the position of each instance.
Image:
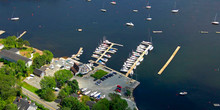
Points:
(32, 75)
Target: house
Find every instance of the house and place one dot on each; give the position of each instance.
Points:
(1, 46)
(75, 69)
(39, 72)
(11, 55)
(24, 104)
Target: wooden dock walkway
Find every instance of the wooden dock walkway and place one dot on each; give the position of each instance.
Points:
(170, 59)
(21, 34)
(141, 56)
(80, 49)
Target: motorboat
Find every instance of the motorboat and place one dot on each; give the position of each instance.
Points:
(216, 105)
(101, 62)
(95, 56)
(86, 93)
(107, 42)
(151, 47)
(157, 32)
(107, 56)
(215, 22)
(175, 11)
(92, 94)
(84, 89)
(149, 19)
(135, 11)
(104, 59)
(183, 93)
(103, 96)
(130, 24)
(113, 3)
(96, 95)
(103, 10)
(15, 18)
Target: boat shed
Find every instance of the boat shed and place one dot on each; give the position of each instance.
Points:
(39, 72)
(14, 57)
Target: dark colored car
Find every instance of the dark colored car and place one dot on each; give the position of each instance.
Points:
(114, 73)
(95, 79)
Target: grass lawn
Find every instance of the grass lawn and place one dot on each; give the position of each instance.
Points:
(99, 74)
(29, 87)
(26, 52)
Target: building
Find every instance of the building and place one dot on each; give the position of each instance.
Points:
(15, 50)
(39, 72)
(11, 55)
(75, 69)
(24, 104)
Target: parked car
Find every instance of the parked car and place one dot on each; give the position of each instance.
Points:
(95, 79)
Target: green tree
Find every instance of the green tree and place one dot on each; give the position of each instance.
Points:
(117, 103)
(11, 107)
(21, 67)
(48, 82)
(2, 104)
(74, 85)
(39, 61)
(103, 104)
(62, 76)
(10, 42)
(85, 98)
(62, 94)
(47, 94)
(73, 103)
(7, 86)
(49, 56)
(26, 43)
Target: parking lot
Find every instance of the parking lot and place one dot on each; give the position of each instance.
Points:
(56, 65)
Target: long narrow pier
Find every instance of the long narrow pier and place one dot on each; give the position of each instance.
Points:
(21, 34)
(2, 32)
(80, 49)
(141, 56)
(105, 52)
(170, 59)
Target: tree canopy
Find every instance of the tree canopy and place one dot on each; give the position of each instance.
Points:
(47, 94)
(71, 87)
(13, 42)
(49, 56)
(73, 103)
(62, 76)
(48, 82)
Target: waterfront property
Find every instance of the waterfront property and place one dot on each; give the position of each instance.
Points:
(39, 72)
(11, 55)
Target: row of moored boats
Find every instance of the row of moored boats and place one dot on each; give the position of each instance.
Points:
(101, 49)
(136, 56)
(94, 94)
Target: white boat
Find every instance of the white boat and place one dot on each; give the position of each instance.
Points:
(151, 47)
(107, 55)
(15, 18)
(104, 59)
(130, 24)
(92, 94)
(215, 22)
(157, 32)
(149, 18)
(107, 42)
(113, 3)
(175, 10)
(86, 93)
(148, 5)
(103, 10)
(89, 0)
(96, 95)
(183, 93)
(84, 89)
(103, 96)
(135, 11)
(216, 105)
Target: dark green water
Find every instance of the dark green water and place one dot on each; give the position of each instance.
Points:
(54, 23)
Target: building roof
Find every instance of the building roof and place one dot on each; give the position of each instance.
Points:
(43, 68)
(9, 55)
(38, 72)
(24, 104)
(13, 50)
(90, 104)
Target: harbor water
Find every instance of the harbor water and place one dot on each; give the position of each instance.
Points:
(53, 25)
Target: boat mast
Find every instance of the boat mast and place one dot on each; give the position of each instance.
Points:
(215, 17)
(174, 5)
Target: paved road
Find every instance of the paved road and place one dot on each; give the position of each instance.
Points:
(34, 97)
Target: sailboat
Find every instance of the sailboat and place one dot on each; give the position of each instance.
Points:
(14, 18)
(149, 18)
(148, 5)
(175, 10)
(103, 10)
(215, 22)
(113, 3)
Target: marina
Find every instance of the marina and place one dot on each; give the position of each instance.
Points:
(168, 62)
(134, 60)
(101, 52)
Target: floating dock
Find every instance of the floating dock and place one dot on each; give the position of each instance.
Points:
(140, 57)
(170, 59)
(2, 32)
(217, 32)
(21, 34)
